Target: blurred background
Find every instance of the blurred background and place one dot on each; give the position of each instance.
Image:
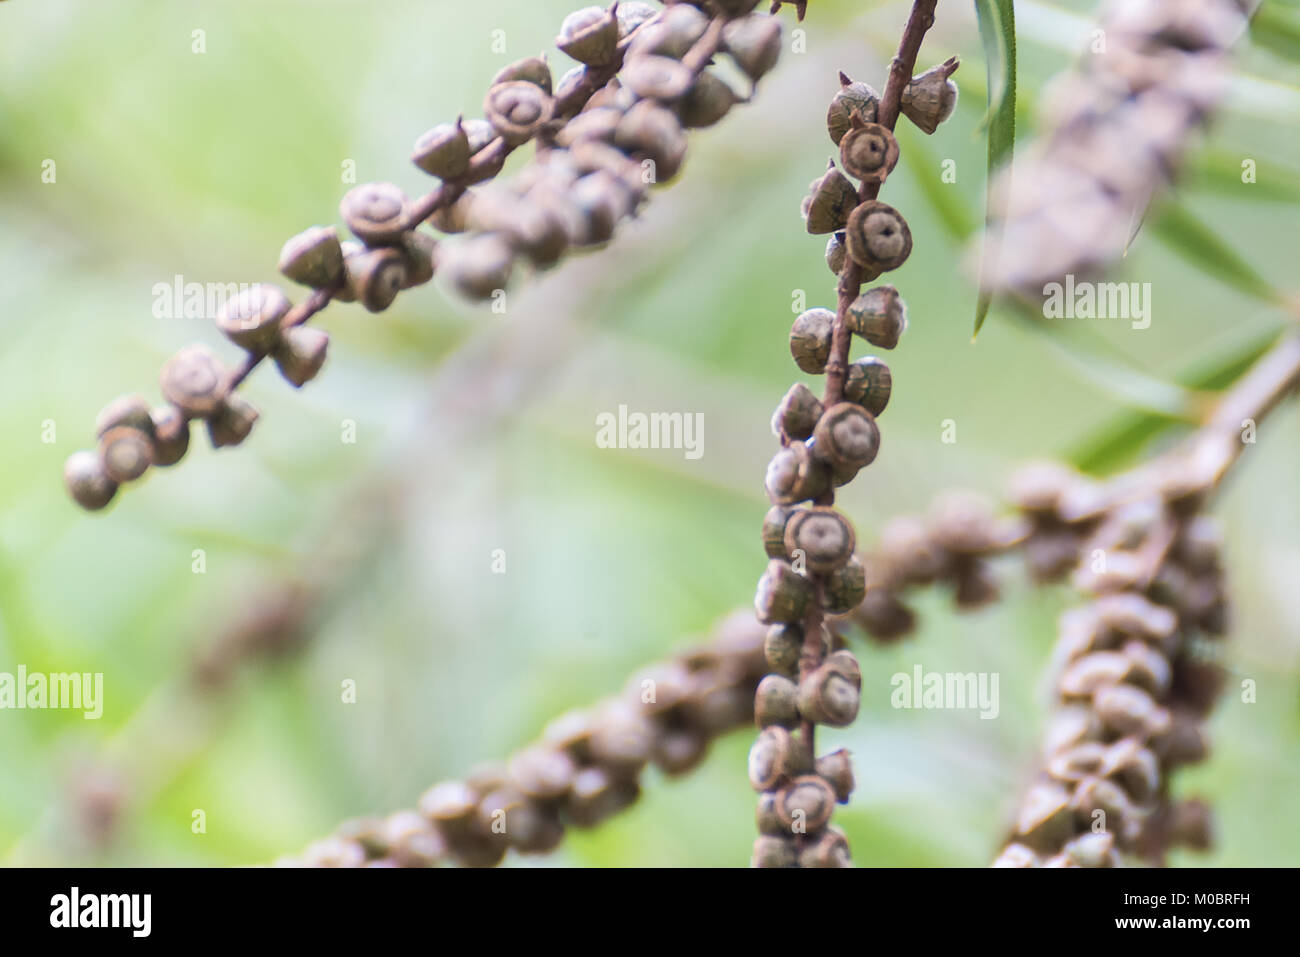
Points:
(475, 432)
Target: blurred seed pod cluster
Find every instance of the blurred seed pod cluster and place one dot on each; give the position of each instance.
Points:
(813, 571)
(585, 767)
(1116, 126)
(606, 131)
(1134, 686)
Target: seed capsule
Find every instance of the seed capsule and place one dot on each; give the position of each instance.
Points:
(596, 795)
(823, 535)
(846, 586)
(830, 200)
(131, 411)
(846, 437)
(533, 69)
(678, 29)
(631, 14)
(233, 423)
(765, 815)
(679, 751)
(836, 253)
(657, 78)
(783, 593)
(805, 804)
(455, 217)
(707, 101)
(603, 201)
(125, 453)
(869, 384)
(930, 98)
(374, 212)
(542, 773)
(826, 696)
(869, 152)
(754, 43)
(830, 849)
(300, 354)
(313, 258)
(794, 475)
(251, 320)
(837, 769)
(171, 435)
(772, 851)
(517, 110)
(376, 276)
(622, 739)
(774, 529)
(1045, 817)
(443, 151)
(419, 249)
(598, 124)
(782, 647)
(797, 415)
(452, 806)
(877, 236)
(590, 36)
(87, 481)
(649, 131)
(192, 379)
(810, 340)
(851, 98)
(1016, 855)
(479, 266)
(774, 702)
(879, 315)
(775, 756)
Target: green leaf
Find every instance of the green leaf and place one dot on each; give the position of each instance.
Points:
(1204, 248)
(1219, 170)
(949, 204)
(997, 23)
(1277, 30)
(1119, 442)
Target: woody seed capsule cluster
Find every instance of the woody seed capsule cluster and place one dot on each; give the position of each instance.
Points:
(812, 569)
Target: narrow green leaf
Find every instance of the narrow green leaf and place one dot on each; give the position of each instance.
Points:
(997, 23)
(948, 203)
(1277, 30)
(1203, 247)
(1221, 170)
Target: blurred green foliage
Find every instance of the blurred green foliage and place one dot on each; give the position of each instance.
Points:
(176, 163)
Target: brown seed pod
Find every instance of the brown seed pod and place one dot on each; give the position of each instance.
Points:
(631, 14)
(409, 839)
(846, 437)
(765, 815)
(233, 422)
(596, 796)
(805, 804)
(837, 769)
(830, 200)
(533, 69)
(598, 124)
(868, 151)
(851, 98)
(754, 43)
(452, 807)
(603, 201)
(590, 36)
(869, 383)
(797, 415)
(680, 750)
(193, 380)
(542, 773)
(376, 276)
(171, 435)
(251, 320)
(829, 849)
(657, 78)
(782, 647)
(650, 131)
(810, 339)
(443, 151)
(823, 535)
(1045, 817)
(454, 218)
(879, 315)
(420, 250)
(774, 529)
(794, 475)
(707, 101)
(125, 453)
(517, 110)
(131, 411)
(846, 586)
(678, 28)
(775, 756)
(313, 258)
(783, 594)
(827, 696)
(836, 253)
(929, 99)
(877, 237)
(374, 213)
(87, 482)
(774, 702)
(771, 851)
(479, 267)
(622, 739)
(300, 353)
